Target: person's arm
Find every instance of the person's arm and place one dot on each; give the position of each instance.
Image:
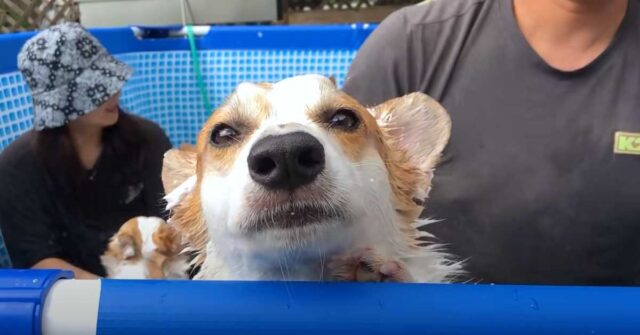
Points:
(381, 68)
(27, 223)
(57, 263)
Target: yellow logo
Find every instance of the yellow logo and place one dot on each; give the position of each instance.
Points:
(627, 143)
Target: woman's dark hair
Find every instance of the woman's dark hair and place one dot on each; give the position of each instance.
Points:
(122, 142)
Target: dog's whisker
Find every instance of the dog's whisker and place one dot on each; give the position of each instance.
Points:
(322, 256)
(284, 278)
(286, 267)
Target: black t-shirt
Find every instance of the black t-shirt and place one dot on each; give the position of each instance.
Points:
(530, 188)
(37, 223)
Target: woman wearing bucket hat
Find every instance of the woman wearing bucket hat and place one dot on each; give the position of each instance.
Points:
(86, 167)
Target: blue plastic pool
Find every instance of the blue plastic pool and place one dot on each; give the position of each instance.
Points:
(164, 87)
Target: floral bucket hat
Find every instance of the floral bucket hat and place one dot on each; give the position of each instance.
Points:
(69, 73)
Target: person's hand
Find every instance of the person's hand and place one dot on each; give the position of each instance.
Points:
(57, 263)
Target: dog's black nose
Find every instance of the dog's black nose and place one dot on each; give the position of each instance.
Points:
(286, 161)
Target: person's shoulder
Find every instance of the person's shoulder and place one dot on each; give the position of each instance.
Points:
(149, 129)
(436, 11)
(19, 152)
(155, 139)
(19, 165)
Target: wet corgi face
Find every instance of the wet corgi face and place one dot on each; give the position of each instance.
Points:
(300, 168)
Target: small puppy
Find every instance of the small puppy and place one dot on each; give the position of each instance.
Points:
(298, 181)
(145, 248)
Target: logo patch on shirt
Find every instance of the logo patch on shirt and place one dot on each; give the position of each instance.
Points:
(627, 143)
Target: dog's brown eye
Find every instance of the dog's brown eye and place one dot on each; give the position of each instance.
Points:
(344, 119)
(224, 135)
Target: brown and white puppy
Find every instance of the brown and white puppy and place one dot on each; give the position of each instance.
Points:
(298, 181)
(146, 248)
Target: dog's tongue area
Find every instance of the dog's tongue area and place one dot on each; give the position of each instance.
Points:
(302, 215)
(293, 215)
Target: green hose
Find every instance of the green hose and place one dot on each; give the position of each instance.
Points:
(196, 69)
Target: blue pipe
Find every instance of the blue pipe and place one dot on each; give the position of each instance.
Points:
(22, 296)
(283, 308)
(357, 308)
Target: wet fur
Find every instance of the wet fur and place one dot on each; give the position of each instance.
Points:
(380, 175)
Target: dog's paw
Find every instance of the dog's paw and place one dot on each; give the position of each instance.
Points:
(366, 265)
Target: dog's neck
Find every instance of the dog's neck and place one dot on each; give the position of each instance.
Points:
(238, 266)
(228, 259)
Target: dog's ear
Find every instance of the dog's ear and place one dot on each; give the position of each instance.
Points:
(167, 239)
(128, 240)
(417, 125)
(179, 173)
(127, 246)
(333, 80)
(178, 165)
(121, 247)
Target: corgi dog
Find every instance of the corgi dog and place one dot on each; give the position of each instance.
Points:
(146, 248)
(296, 180)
